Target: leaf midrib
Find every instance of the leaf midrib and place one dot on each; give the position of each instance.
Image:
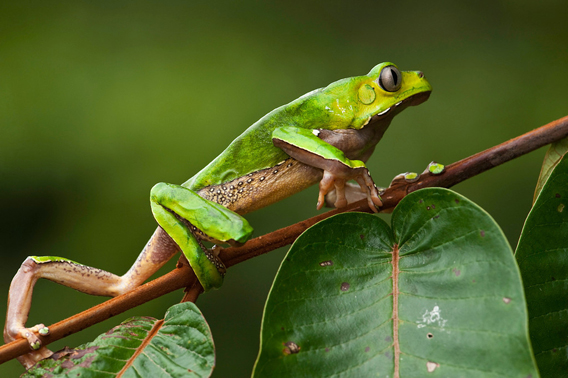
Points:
(157, 326)
(396, 345)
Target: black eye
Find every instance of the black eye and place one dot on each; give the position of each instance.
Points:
(390, 79)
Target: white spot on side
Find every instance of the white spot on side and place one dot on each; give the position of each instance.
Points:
(339, 106)
(398, 103)
(316, 132)
(507, 300)
(432, 317)
(384, 111)
(431, 366)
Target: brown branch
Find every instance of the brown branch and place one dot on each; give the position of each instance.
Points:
(183, 276)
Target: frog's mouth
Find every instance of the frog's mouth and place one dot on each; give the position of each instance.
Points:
(390, 112)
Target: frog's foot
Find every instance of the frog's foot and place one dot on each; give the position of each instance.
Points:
(31, 335)
(353, 193)
(338, 182)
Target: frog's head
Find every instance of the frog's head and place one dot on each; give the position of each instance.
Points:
(376, 97)
(385, 91)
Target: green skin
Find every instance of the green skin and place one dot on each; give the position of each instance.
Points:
(324, 136)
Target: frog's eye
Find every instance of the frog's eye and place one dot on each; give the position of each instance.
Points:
(390, 79)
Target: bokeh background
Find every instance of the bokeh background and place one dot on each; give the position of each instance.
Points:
(101, 100)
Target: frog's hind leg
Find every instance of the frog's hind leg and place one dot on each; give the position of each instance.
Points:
(89, 280)
(188, 218)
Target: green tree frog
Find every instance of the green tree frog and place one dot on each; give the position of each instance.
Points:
(325, 136)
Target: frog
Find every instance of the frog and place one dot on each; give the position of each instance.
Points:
(325, 136)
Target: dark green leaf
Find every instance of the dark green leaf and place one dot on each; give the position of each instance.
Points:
(179, 346)
(542, 255)
(440, 294)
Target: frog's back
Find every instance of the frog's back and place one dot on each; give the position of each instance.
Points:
(253, 150)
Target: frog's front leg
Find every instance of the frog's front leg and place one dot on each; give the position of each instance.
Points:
(188, 219)
(305, 146)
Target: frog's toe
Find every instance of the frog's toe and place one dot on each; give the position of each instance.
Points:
(332, 186)
(44, 331)
(368, 186)
(31, 334)
(326, 185)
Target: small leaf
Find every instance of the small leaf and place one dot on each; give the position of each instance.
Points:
(542, 255)
(178, 346)
(438, 294)
(551, 159)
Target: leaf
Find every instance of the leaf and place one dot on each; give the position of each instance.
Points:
(178, 346)
(542, 255)
(551, 159)
(439, 293)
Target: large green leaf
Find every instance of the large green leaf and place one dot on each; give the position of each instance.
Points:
(438, 293)
(179, 346)
(542, 255)
(551, 159)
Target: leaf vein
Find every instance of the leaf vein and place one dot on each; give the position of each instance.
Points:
(458, 366)
(549, 313)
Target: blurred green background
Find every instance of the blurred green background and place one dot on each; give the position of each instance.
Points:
(101, 100)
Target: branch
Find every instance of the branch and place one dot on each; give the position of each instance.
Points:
(183, 276)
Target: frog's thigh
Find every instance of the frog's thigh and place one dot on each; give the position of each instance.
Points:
(181, 212)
